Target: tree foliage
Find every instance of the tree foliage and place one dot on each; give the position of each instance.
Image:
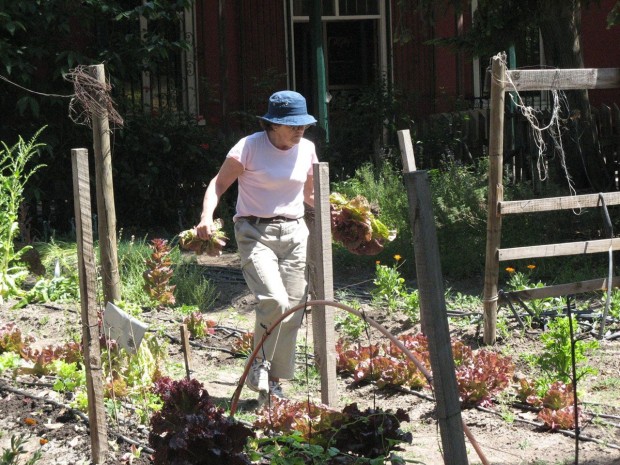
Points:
(498, 24)
(40, 41)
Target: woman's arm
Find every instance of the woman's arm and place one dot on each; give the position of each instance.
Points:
(229, 172)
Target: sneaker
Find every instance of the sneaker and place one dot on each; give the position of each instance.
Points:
(275, 389)
(258, 376)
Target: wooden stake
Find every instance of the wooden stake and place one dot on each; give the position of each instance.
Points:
(106, 212)
(433, 309)
(90, 328)
(495, 196)
(322, 316)
(186, 351)
(408, 156)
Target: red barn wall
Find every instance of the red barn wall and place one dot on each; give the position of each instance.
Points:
(601, 47)
(238, 47)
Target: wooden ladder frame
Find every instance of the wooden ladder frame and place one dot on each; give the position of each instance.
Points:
(502, 81)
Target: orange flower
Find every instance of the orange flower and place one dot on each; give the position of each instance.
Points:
(30, 421)
(378, 262)
(510, 269)
(43, 441)
(397, 257)
(531, 267)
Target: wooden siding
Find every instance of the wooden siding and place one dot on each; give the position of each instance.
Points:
(239, 47)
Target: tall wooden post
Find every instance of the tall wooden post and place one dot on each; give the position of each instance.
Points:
(323, 287)
(495, 195)
(408, 157)
(434, 313)
(88, 294)
(106, 212)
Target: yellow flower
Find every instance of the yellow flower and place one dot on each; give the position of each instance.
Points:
(378, 262)
(510, 269)
(397, 257)
(531, 267)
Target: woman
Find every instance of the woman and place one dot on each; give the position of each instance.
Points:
(274, 171)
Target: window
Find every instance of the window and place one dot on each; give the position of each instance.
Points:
(338, 7)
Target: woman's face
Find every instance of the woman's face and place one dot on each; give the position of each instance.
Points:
(286, 137)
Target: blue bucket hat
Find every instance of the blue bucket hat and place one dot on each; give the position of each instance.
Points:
(289, 108)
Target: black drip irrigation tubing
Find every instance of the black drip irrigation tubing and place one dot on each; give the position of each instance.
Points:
(81, 415)
(566, 432)
(585, 318)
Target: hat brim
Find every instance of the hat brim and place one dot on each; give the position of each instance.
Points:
(295, 120)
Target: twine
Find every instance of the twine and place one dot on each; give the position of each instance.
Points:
(91, 98)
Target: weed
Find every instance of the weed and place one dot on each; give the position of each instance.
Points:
(132, 256)
(191, 287)
(556, 358)
(389, 286)
(11, 455)
(614, 305)
(15, 170)
(350, 325)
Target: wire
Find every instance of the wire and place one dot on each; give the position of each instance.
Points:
(34, 91)
(574, 376)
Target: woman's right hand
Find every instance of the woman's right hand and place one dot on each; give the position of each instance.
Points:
(205, 228)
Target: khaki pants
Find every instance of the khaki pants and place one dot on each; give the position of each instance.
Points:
(273, 261)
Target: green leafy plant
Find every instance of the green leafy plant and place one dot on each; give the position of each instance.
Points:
(556, 358)
(132, 255)
(42, 359)
(459, 207)
(355, 225)
(351, 325)
(518, 281)
(158, 273)
(199, 326)
(60, 289)
(371, 433)
(614, 306)
(9, 361)
(389, 286)
(189, 241)
(15, 171)
(192, 287)
(11, 455)
(291, 449)
(131, 376)
(69, 376)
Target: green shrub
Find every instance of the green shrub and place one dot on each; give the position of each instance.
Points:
(161, 166)
(192, 287)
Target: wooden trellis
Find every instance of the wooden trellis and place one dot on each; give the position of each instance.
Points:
(503, 81)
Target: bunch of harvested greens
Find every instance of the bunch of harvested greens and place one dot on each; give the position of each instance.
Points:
(189, 240)
(355, 226)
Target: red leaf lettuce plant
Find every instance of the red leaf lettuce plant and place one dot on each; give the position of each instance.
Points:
(191, 430)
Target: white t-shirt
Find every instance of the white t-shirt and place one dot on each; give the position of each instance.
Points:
(272, 183)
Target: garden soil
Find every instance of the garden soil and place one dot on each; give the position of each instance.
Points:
(506, 435)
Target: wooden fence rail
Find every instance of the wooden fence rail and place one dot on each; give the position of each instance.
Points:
(605, 129)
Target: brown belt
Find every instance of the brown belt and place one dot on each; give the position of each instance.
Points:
(273, 219)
